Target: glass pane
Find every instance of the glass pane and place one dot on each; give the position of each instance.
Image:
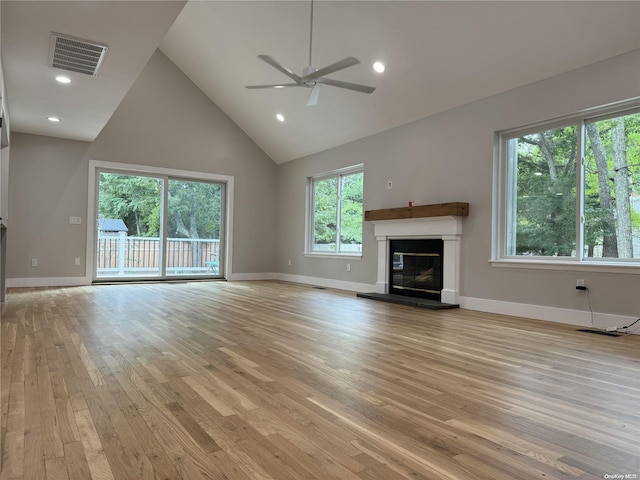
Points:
(325, 215)
(351, 213)
(541, 194)
(128, 226)
(612, 188)
(194, 227)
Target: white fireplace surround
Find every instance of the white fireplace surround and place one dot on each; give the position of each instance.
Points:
(448, 229)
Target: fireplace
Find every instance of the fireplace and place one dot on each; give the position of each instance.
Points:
(416, 268)
(447, 230)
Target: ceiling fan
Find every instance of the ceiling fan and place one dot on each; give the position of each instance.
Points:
(313, 77)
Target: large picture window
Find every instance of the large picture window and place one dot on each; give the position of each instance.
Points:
(571, 190)
(335, 214)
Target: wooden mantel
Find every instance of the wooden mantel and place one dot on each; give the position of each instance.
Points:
(458, 209)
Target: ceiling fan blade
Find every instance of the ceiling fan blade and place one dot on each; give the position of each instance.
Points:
(334, 67)
(313, 96)
(351, 86)
(277, 85)
(279, 67)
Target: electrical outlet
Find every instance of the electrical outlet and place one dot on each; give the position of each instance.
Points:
(580, 282)
(348, 267)
(76, 261)
(289, 262)
(34, 262)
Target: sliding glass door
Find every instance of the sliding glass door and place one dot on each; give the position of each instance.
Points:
(157, 227)
(194, 227)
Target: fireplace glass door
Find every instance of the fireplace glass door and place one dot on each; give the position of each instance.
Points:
(416, 268)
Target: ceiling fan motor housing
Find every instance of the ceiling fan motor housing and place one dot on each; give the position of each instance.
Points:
(308, 71)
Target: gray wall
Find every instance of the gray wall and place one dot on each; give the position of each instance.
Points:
(447, 158)
(164, 121)
(47, 185)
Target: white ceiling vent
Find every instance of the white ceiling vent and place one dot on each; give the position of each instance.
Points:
(75, 54)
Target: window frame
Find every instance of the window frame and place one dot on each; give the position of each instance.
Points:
(310, 213)
(502, 190)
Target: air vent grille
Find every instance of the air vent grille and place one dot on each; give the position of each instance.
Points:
(76, 55)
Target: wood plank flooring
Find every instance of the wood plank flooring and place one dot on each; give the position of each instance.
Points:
(276, 381)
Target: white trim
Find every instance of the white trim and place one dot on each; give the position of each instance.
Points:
(241, 277)
(228, 180)
(326, 282)
(581, 318)
(600, 267)
(359, 168)
(78, 281)
(47, 282)
(449, 296)
(351, 256)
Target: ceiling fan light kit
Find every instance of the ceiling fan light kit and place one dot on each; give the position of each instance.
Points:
(313, 77)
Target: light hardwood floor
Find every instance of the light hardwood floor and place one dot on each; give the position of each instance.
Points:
(269, 380)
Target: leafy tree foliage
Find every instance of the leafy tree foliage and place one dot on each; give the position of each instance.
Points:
(345, 192)
(351, 213)
(546, 207)
(193, 211)
(134, 199)
(545, 178)
(325, 215)
(613, 158)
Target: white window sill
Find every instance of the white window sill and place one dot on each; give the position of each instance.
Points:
(352, 256)
(584, 266)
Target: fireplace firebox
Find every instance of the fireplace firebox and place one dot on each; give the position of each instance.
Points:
(416, 268)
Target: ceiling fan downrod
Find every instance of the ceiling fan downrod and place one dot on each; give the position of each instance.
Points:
(311, 33)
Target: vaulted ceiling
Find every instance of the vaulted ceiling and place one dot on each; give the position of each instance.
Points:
(438, 55)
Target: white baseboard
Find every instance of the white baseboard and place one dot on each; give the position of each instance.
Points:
(76, 281)
(326, 282)
(580, 318)
(47, 282)
(238, 277)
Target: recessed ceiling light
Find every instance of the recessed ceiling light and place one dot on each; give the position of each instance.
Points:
(53, 119)
(63, 79)
(280, 117)
(379, 67)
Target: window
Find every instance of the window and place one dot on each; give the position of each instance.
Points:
(571, 190)
(335, 213)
